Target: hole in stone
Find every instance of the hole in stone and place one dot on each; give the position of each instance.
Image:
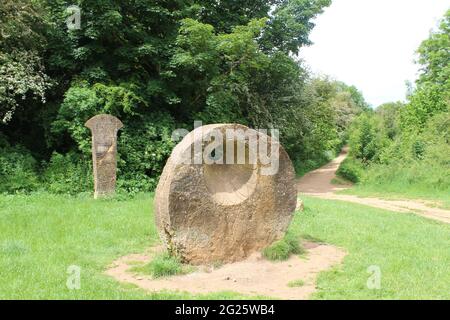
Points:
(231, 184)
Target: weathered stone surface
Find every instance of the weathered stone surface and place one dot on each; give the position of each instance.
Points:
(222, 212)
(104, 129)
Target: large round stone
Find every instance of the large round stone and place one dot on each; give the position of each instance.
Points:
(223, 212)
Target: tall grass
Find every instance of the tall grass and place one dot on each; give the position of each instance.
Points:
(419, 179)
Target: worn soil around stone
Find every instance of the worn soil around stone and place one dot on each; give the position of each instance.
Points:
(253, 277)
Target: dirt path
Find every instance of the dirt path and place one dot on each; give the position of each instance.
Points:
(319, 181)
(255, 276)
(318, 184)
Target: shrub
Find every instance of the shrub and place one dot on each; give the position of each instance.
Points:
(351, 170)
(18, 169)
(70, 173)
(417, 163)
(367, 138)
(144, 146)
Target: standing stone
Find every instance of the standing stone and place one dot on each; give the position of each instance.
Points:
(104, 129)
(208, 213)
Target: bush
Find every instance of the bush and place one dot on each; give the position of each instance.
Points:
(18, 169)
(70, 173)
(415, 163)
(367, 138)
(144, 145)
(351, 170)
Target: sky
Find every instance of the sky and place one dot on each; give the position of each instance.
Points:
(372, 43)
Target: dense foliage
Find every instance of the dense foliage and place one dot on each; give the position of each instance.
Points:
(157, 66)
(21, 46)
(408, 146)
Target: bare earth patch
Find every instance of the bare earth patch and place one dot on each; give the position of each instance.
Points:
(254, 276)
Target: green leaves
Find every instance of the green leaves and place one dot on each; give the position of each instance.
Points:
(17, 169)
(21, 73)
(158, 65)
(196, 47)
(290, 25)
(406, 147)
(432, 95)
(22, 41)
(435, 55)
(144, 145)
(426, 101)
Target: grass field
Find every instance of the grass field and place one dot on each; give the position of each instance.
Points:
(412, 252)
(41, 235)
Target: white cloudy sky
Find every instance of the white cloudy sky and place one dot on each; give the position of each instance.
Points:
(371, 43)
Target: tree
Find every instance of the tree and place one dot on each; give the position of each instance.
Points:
(21, 45)
(434, 56)
(226, 15)
(159, 65)
(432, 95)
(390, 113)
(290, 24)
(367, 138)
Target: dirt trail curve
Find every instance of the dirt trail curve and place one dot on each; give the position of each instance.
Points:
(318, 184)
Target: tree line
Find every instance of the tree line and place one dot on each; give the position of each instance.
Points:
(406, 146)
(157, 66)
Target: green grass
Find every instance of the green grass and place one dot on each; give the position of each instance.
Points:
(278, 251)
(412, 252)
(164, 265)
(42, 235)
(281, 250)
